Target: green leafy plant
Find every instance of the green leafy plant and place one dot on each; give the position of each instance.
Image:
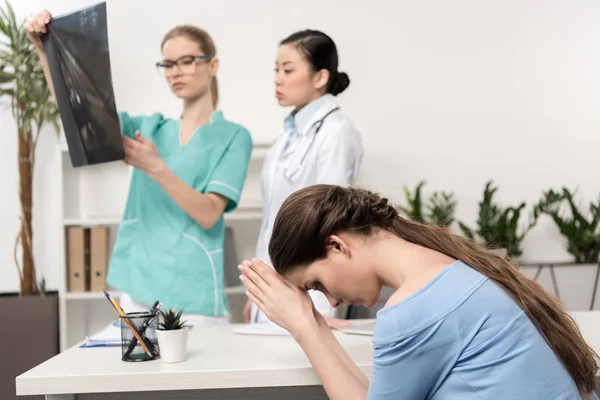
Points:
(22, 81)
(498, 227)
(439, 209)
(582, 233)
(414, 210)
(171, 319)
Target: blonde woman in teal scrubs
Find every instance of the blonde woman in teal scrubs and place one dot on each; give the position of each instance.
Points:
(188, 172)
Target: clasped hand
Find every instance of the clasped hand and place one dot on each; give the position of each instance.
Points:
(282, 302)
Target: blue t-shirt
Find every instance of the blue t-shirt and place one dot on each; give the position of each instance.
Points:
(462, 337)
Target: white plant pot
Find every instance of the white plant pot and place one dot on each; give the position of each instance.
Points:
(173, 344)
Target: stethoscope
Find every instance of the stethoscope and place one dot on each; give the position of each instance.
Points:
(286, 169)
(288, 172)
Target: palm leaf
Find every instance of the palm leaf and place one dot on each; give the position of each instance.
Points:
(6, 77)
(498, 226)
(441, 209)
(3, 26)
(581, 233)
(414, 208)
(23, 82)
(468, 232)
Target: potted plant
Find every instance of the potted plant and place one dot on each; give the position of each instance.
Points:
(577, 278)
(438, 211)
(23, 84)
(498, 228)
(172, 335)
(22, 81)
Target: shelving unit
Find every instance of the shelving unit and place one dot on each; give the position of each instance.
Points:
(89, 295)
(115, 293)
(248, 212)
(95, 196)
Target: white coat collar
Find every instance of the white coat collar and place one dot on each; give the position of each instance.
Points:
(309, 114)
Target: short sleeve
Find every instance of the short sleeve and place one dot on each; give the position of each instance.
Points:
(129, 124)
(414, 366)
(229, 175)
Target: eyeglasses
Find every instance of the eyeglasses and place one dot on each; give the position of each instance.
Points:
(186, 64)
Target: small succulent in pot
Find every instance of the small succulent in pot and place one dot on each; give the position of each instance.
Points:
(171, 319)
(172, 336)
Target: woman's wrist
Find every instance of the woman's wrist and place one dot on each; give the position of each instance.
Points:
(307, 331)
(40, 51)
(158, 171)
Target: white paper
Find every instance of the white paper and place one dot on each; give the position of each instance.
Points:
(261, 329)
(111, 334)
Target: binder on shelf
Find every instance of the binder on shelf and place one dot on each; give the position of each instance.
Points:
(98, 258)
(77, 265)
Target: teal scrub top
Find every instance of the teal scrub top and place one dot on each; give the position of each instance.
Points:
(160, 252)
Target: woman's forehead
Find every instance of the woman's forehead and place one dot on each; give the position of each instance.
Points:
(180, 46)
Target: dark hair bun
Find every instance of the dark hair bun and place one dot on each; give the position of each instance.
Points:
(339, 83)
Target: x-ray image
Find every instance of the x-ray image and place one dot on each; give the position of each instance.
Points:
(77, 48)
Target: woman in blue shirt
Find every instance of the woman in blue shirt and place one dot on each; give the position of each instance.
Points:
(463, 323)
(188, 172)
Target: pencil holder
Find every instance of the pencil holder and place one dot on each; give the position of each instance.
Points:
(141, 345)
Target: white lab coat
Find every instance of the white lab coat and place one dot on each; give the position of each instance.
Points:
(334, 158)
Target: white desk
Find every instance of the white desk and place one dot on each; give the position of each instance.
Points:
(589, 325)
(220, 364)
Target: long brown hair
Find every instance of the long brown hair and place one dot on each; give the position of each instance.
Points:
(207, 46)
(309, 216)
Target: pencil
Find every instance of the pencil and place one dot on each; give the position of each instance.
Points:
(122, 314)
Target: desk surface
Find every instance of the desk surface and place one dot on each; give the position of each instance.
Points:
(589, 325)
(217, 358)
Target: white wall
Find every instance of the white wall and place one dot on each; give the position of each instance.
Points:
(453, 92)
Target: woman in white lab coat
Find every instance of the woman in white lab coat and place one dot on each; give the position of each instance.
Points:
(319, 143)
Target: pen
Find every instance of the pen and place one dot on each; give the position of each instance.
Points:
(133, 342)
(122, 314)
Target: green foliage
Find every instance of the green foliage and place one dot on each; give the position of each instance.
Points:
(498, 227)
(438, 211)
(582, 234)
(441, 209)
(22, 78)
(414, 210)
(22, 81)
(171, 319)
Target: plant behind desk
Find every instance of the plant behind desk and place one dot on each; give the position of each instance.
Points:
(439, 209)
(497, 226)
(22, 81)
(31, 317)
(581, 232)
